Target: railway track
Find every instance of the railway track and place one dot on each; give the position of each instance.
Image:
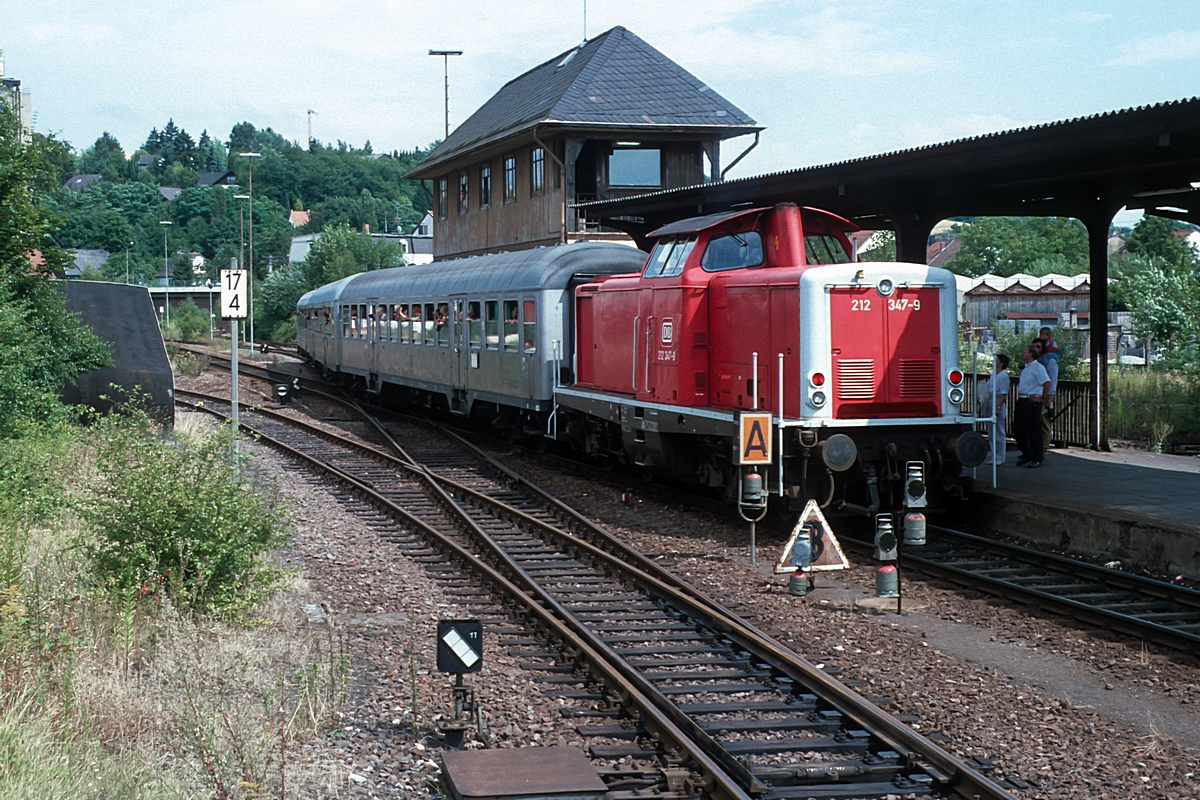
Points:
(697, 697)
(1149, 609)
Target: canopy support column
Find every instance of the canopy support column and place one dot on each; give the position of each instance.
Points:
(1098, 222)
(912, 236)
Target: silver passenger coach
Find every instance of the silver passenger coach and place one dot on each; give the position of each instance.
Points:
(483, 334)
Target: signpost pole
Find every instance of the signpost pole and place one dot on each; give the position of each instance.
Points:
(233, 393)
(234, 297)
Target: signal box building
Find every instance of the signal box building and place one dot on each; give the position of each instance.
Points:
(609, 118)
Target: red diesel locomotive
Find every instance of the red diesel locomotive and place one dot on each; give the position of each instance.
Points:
(763, 310)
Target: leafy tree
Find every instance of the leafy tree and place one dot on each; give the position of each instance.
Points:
(341, 251)
(189, 320)
(1031, 245)
(883, 247)
(1154, 237)
(106, 158)
(1165, 301)
(42, 346)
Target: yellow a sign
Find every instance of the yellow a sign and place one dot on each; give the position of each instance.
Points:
(754, 439)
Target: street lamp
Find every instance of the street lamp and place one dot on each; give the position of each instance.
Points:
(166, 272)
(208, 283)
(250, 160)
(445, 54)
(127, 263)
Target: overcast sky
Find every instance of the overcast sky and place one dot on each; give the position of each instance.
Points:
(829, 80)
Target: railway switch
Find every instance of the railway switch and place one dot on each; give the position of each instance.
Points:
(885, 539)
(914, 529)
(914, 485)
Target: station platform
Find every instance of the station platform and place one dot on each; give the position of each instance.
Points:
(1140, 508)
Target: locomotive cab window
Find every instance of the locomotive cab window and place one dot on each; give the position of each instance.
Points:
(510, 324)
(668, 257)
(529, 326)
(824, 249)
(491, 326)
(733, 251)
(474, 324)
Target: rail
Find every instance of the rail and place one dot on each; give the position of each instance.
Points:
(865, 727)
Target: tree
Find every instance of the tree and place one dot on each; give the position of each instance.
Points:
(883, 247)
(1154, 237)
(341, 251)
(106, 158)
(279, 294)
(189, 320)
(1165, 301)
(1031, 245)
(42, 346)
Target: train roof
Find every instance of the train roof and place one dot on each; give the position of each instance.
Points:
(697, 224)
(521, 270)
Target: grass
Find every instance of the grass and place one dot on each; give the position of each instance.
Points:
(105, 694)
(1155, 406)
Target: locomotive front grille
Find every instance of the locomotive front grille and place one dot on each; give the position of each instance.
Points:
(918, 377)
(856, 378)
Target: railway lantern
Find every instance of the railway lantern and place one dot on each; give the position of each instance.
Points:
(798, 583)
(754, 495)
(283, 393)
(887, 581)
(885, 539)
(914, 529)
(914, 485)
(801, 555)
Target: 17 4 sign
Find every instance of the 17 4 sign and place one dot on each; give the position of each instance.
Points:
(235, 293)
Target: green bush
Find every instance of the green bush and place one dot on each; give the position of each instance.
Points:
(189, 320)
(171, 520)
(285, 331)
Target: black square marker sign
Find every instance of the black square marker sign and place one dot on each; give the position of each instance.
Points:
(460, 645)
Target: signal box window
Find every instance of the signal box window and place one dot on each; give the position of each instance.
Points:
(537, 171)
(443, 199)
(485, 185)
(667, 258)
(635, 167)
(529, 330)
(428, 323)
(735, 251)
(464, 184)
(510, 179)
(474, 324)
(510, 324)
(824, 249)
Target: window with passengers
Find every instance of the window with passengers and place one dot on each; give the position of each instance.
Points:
(732, 251)
(821, 248)
(668, 257)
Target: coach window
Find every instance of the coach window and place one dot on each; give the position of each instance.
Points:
(510, 324)
(428, 323)
(537, 171)
(442, 198)
(510, 179)
(491, 324)
(529, 333)
(415, 325)
(394, 324)
(404, 334)
(668, 257)
(383, 323)
(735, 251)
(474, 324)
(345, 322)
(364, 321)
(485, 185)
(441, 322)
(464, 184)
(824, 249)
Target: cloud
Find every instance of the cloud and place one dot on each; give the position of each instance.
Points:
(1174, 46)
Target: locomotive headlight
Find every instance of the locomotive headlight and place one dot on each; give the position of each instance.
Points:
(817, 399)
(885, 287)
(956, 396)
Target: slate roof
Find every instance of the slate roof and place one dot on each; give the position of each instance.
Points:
(80, 182)
(213, 178)
(615, 79)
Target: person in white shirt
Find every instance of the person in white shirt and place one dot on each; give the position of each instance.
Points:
(1032, 388)
(997, 389)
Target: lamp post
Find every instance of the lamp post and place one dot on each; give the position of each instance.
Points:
(166, 272)
(242, 235)
(208, 283)
(250, 160)
(445, 54)
(127, 263)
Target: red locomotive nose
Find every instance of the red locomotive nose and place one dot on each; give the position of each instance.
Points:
(956, 377)
(818, 379)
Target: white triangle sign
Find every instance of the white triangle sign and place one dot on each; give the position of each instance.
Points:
(826, 551)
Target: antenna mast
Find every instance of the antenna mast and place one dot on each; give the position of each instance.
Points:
(310, 139)
(585, 20)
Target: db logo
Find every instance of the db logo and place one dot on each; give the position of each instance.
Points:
(668, 331)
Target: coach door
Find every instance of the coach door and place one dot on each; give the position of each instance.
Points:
(460, 354)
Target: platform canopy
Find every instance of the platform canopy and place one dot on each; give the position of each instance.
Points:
(1088, 168)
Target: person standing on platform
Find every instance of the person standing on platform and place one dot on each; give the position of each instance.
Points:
(998, 390)
(1049, 360)
(1032, 388)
